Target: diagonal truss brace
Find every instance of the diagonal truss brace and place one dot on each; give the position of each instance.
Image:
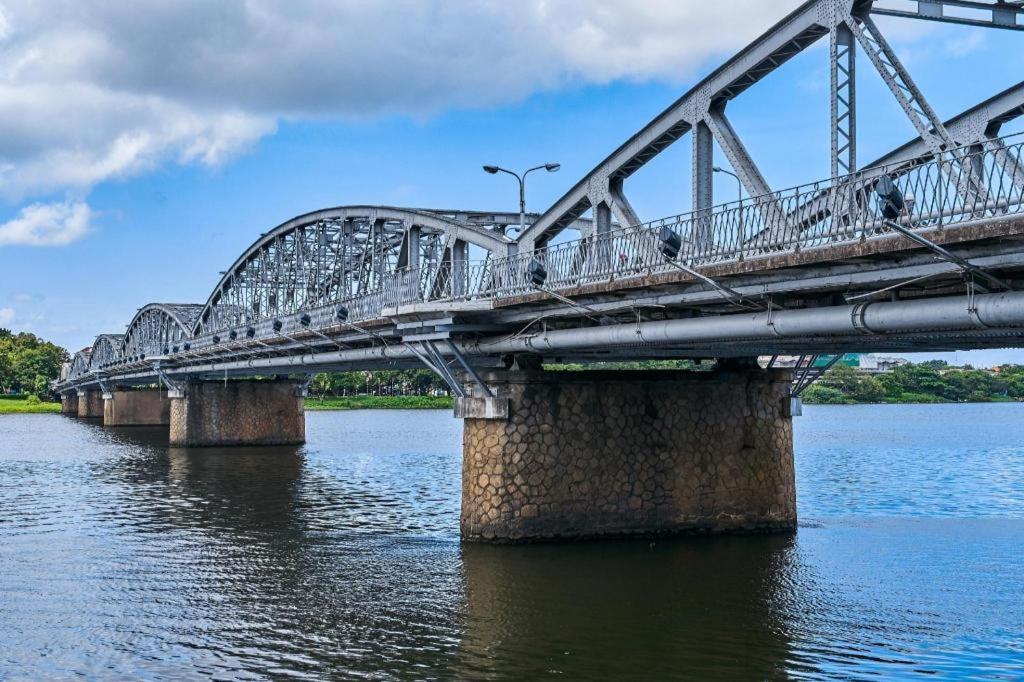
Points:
(175, 388)
(924, 119)
(430, 356)
(896, 77)
(749, 174)
(734, 150)
(812, 372)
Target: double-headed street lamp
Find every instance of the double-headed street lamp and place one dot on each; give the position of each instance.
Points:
(549, 167)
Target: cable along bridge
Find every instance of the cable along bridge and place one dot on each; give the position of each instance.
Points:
(918, 250)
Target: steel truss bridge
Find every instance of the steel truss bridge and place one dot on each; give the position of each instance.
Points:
(922, 249)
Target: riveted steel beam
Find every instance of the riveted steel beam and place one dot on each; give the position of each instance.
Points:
(998, 14)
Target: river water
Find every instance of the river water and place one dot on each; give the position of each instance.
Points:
(122, 558)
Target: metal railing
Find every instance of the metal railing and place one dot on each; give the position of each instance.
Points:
(960, 186)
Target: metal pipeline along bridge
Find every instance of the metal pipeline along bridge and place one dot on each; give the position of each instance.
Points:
(922, 249)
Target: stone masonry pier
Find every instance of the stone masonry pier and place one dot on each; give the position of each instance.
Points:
(90, 404)
(593, 453)
(149, 407)
(215, 413)
(69, 404)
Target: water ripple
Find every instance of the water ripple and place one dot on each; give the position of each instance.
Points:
(123, 558)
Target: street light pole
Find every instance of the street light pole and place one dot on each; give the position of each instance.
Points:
(739, 194)
(549, 167)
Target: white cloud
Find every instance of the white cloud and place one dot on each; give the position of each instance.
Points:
(6, 316)
(47, 225)
(963, 45)
(105, 89)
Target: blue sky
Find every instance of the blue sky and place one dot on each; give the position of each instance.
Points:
(220, 164)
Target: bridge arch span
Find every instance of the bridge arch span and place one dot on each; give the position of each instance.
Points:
(335, 254)
(80, 364)
(107, 350)
(157, 327)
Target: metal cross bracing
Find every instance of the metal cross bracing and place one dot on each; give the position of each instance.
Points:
(107, 351)
(624, 262)
(365, 286)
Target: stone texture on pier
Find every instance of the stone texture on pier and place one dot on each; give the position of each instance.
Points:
(588, 454)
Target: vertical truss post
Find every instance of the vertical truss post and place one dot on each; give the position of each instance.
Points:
(409, 263)
(703, 180)
(843, 58)
(460, 267)
(602, 233)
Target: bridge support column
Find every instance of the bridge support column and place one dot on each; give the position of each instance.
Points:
(215, 413)
(591, 454)
(90, 404)
(136, 408)
(69, 404)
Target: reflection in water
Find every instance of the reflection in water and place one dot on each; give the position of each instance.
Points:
(702, 608)
(122, 557)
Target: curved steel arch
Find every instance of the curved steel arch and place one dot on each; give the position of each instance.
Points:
(80, 364)
(157, 327)
(107, 350)
(334, 254)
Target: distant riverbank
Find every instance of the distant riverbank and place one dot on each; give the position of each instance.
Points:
(22, 405)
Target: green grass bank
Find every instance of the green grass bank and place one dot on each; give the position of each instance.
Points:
(20, 405)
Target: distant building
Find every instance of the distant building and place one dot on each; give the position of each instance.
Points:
(868, 364)
(878, 364)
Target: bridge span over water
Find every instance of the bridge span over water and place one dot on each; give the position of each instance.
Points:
(922, 249)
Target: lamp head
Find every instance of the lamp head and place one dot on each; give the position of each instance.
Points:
(491, 169)
(552, 167)
(716, 169)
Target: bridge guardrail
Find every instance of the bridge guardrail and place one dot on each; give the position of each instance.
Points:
(961, 185)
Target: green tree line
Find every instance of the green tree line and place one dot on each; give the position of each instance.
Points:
(927, 382)
(28, 364)
(385, 382)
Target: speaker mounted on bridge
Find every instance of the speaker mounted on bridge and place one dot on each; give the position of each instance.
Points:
(671, 243)
(890, 198)
(537, 273)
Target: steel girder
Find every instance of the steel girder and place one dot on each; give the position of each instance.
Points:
(789, 37)
(698, 111)
(79, 364)
(107, 351)
(334, 255)
(1001, 14)
(372, 258)
(157, 328)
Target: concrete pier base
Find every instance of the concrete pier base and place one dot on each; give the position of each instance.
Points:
(69, 404)
(136, 408)
(596, 454)
(90, 404)
(238, 413)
